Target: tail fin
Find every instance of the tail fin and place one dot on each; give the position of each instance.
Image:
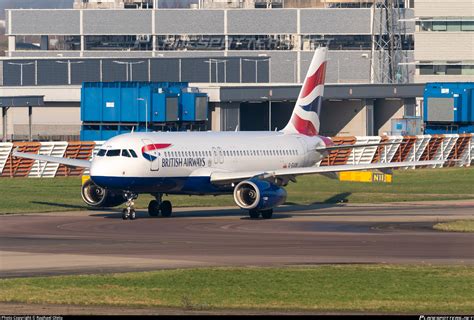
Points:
(305, 117)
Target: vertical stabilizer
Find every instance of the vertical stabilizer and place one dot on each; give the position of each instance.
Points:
(305, 116)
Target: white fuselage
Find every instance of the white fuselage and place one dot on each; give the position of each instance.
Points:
(176, 162)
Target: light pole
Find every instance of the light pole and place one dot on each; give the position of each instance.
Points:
(21, 64)
(217, 61)
(69, 63)
(129, 64)
(256, 65)
(146, 112)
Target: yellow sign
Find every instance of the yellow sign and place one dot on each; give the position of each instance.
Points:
(85, 179)
(365, 176)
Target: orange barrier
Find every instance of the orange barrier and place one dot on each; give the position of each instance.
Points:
(20, 167)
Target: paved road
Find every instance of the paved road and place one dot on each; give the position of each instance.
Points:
(100, 241)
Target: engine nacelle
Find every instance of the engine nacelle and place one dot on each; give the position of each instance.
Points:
(255, 194)
(99, 197)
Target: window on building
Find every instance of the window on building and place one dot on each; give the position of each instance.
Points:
(338, 42)
(468, 70)
(262, 42)
(440, 26)
(50, 42)
(449, 25)
(190, 42)
(118, 42)
(453, 69)
(467, 25)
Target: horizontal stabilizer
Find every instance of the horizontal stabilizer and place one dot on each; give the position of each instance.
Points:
(66, 161)
(353, 146)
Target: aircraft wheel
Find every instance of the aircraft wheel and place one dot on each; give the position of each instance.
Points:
(125, 214)
(267, 214)
(166, 209)
(133, 215)
(254, 214)
(154, 208)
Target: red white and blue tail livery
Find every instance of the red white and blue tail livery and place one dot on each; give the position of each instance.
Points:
(305, 117)
(253, 166)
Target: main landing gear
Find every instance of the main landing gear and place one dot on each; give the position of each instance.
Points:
(129, 211)
(158, 206)
(266, 214)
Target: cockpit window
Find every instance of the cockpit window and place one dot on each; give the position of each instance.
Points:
(113, 153)
(125, 153)
(101, 153)
(133, 153)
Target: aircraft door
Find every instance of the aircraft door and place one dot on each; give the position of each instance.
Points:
(304, 148)
(215, 155)
(221, 155)
(151, 154)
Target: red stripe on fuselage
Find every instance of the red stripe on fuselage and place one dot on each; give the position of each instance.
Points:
(315, 80)
(305, 127)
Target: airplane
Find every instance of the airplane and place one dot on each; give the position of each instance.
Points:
(253, 166)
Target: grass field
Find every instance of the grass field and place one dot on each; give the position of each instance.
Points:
(367, 288)
(456, 226)
(63, 194)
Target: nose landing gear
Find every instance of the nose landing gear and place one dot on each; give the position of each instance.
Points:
(129, 211)
(158, 206)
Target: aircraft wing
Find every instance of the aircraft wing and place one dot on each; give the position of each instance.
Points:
(229, 177)
(66, 161)
(354, 146)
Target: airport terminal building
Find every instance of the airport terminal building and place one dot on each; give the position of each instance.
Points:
(248, 56)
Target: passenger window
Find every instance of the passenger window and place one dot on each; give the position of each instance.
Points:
(101, 153)
(125, 153)
(133, 153)
(113, 153)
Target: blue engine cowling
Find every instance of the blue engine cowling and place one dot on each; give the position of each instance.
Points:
(255, 194)
(99, 197)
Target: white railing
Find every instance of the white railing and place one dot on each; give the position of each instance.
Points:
(5, 150)
(364, 155)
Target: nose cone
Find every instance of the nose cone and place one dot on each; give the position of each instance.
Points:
(95, 169)
(100, 172)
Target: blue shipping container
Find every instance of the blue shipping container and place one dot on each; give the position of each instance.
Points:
(449, 102)
(165, 107)
(194, 106)
(124, 101)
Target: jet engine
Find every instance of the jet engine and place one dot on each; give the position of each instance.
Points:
(255, 194)
(99, 197)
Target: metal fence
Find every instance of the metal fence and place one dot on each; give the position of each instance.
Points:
(456, 150)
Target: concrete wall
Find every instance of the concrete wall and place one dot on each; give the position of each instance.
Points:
(197, 21)
(444, 46)
(446, 78)
(120, 22)
(344, 118)
(384, 111)
(52, 119)
(44, 22)
(444, 8)
(334, 21)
